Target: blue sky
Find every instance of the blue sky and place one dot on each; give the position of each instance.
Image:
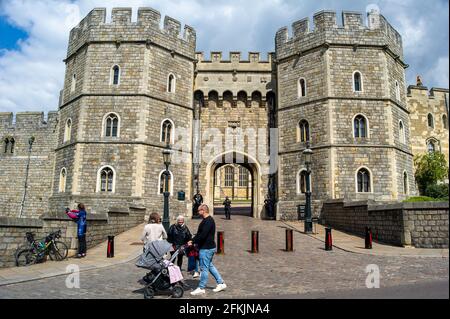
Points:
(34, 35)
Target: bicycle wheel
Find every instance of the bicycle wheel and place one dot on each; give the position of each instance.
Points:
(25, 257)
(58, 251)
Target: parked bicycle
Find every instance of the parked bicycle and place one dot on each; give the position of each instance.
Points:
(37, 251)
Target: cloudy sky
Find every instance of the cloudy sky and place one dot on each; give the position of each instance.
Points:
(34, 36)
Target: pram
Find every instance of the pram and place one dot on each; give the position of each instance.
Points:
(158, 279)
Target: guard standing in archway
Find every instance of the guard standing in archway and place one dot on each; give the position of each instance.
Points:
(227, 205)
(198, 200)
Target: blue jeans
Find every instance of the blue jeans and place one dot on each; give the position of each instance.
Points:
(206, 267)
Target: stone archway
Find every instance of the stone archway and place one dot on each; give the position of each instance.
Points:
(235, 157)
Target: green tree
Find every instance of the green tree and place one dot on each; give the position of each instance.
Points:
(430, 169)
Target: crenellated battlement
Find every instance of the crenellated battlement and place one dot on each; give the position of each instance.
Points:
(94, 27)
(233, 57)
(28, 120)
(415, 91)
(325, 29)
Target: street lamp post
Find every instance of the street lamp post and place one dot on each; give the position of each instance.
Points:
(167, 156)
(307, 153)
(30, 147)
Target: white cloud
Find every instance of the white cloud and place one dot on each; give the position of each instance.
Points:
(32, 76)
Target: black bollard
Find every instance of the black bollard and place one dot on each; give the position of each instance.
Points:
(255, 242)
(368, 239)
(220, 243)
(289, 240)
(328, 239)
(110, 247)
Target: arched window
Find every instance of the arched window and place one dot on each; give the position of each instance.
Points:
(431, 146)
(106, 180)
(445, 121)
(6, 144)
(171, 83)
(12, 141)
(228, 99)
(301, 87)
(360, 127)
(302, 182)
(115, 75)
(363, 181)
(213, 99)
(405, 183)
(242, 99)
(73, 84)
(199, 99)
(167, 134)
(304, 131)
(430, 120)
(68, 130)
(162, 182)
(397, 91)
(243, 176)
(256, 99)
(357, 82)
(401, 132)
(229, 176)
(111, 125)
(62, 180)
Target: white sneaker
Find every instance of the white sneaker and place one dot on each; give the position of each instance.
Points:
(196, 274)
(198, 291)
(220, 287)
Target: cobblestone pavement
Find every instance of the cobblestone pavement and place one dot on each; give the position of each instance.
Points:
(271, 272)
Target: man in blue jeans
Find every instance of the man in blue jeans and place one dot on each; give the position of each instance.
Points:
(204, 239)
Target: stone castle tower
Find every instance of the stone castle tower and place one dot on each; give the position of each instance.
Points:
(131, 87)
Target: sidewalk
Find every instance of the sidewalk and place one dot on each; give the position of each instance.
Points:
(127, 246)
(355, 244)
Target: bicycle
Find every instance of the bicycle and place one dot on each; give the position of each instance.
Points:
(37, 251)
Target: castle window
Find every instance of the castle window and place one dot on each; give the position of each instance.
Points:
(62, 180)
(111, 125)
(401, 132)
(73, 84)
(167, 134)
(242, 99)
(228, 99)
(213, 99)
(405, 183)
(431, 146)
(12, 141)
(430, 119)
(115, 75)
(256, 99)
(357, 82)
(302, 182)
(445, 122)
(301, 87)
(397, 91)
(106, 180)
(243, 176)
(360, 127)
(6, 145)
(68, 130)
(363, 181)
(304, 131)
(229, 176)
(171, 83)
(162, 182)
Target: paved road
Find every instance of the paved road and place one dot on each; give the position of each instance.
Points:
(309, 271)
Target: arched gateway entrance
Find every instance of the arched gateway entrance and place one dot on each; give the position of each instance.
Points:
(246, 161)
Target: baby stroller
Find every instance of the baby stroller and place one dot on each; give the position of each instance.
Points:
(158, 279)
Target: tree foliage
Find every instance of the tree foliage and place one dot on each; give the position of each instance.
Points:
(430, 168)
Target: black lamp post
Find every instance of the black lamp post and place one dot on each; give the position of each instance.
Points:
(307, 153)
(167, 156)
(30, 147)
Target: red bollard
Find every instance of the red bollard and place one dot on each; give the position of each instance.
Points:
(328, 239)
(255, 242)
(368, 239)
(220, 243)
(289, 240)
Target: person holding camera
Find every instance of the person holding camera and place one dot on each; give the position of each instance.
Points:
(79, 216)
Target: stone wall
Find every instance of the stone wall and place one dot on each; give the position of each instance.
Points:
(99, 226)
(422, 225)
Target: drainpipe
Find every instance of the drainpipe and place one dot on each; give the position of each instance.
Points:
(30, 143)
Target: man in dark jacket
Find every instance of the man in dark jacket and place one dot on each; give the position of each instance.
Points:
(197, 201)
(79, 216)
(179, 235)
(204, 239)
(227, 205)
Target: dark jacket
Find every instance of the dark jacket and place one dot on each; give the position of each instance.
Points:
(227, 203)
(178, 235)
(204, 238)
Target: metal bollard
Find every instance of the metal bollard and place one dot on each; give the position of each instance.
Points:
(328, 239)
(255, 242)
(368, 239)
(220, 243)
(289, 240)
(110, 247)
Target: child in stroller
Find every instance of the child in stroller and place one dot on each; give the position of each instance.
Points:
(164, 276)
